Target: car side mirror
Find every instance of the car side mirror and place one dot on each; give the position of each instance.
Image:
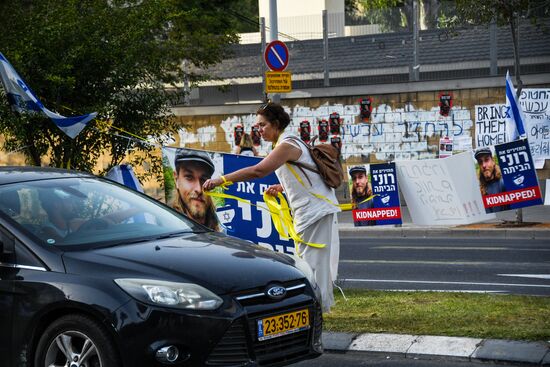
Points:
(7, 245)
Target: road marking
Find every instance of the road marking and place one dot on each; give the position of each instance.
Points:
(442, 290)
(537, 276)
(440, 282)
(456, 248)
(460, 263)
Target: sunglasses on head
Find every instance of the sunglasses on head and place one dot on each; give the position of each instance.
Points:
(264, 106)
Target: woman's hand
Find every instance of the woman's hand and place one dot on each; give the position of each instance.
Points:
(211, 183)
(274, 190)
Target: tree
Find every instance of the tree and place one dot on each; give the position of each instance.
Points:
(394, 15)
(121, 58)
(504, 13)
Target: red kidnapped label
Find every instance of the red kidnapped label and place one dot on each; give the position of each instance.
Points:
(377, 214)
(512, 197)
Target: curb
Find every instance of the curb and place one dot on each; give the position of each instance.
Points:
(446, 232)
(440, 347)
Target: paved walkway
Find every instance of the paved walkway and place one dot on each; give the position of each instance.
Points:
(440, 347)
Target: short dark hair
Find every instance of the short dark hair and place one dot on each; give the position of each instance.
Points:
(275, 114)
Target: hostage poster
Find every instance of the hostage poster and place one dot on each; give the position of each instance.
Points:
(185, 170)
(507, 177)
(378, 181)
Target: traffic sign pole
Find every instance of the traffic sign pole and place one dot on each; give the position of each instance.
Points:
(273, 32)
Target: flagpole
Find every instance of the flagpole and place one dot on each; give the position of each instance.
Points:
(517, 116)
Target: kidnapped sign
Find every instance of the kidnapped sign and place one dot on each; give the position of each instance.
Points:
(519, 176)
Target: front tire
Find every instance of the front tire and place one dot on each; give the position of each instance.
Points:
(75, 341)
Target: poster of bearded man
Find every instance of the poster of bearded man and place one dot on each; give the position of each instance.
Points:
(507, 178)
(190, 168)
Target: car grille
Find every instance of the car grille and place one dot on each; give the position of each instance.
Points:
(257, 296)
(232, 349)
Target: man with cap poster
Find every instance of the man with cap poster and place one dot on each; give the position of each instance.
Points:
(192, 169)
(490, 177)
(361, 189)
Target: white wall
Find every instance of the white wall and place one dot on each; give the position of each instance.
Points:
(302, 19)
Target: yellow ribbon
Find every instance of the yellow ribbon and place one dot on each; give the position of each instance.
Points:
(282, 220)
(225, 185)
(279, 211)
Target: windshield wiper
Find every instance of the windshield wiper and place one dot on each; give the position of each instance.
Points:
(125, 242)
(174, 234)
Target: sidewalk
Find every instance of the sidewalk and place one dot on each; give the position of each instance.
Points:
(536, 225)
(440, 347)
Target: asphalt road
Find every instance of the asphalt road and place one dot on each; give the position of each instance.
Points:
(368, 360)
(471, 265)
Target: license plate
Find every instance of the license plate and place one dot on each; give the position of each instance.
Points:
(288, 323)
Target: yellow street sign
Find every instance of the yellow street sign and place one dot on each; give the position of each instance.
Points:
(278, 82)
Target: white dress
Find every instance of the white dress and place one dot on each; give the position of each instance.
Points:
(315, 220)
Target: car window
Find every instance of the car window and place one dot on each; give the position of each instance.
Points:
(86, 211)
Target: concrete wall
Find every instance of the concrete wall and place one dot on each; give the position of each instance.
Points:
(402, 125)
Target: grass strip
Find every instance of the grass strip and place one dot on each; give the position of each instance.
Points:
(438, 313)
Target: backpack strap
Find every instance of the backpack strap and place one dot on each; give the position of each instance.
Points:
(302, 165)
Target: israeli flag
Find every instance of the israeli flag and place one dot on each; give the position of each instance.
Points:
(514, 117)
(23, 100)
(124, 174)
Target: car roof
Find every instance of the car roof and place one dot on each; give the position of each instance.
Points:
(13, 174)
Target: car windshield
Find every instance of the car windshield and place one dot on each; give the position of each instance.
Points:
(71, 212)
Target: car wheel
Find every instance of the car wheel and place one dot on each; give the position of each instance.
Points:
(75, 341)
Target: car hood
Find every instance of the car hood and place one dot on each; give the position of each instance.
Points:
(220, 263)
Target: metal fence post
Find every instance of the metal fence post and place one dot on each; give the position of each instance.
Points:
(325, 50)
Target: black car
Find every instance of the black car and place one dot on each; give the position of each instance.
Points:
(95, 274)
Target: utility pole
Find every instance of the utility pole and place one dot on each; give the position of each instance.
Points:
(273, 34)
(262, 62)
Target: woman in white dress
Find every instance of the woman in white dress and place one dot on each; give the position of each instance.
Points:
(315, 219)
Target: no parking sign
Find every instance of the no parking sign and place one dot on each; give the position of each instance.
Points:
(276, 56)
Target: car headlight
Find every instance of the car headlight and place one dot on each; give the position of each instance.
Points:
(304, 267)
(170, 294)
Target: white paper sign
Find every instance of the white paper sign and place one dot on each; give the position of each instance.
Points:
(491, 126)
(462, 144)
(536, 109)
(442, 191)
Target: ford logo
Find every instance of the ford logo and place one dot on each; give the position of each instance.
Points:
(276, 292)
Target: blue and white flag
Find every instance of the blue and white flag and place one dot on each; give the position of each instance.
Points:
(23, 100)
(124, 174)
(514, 118)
